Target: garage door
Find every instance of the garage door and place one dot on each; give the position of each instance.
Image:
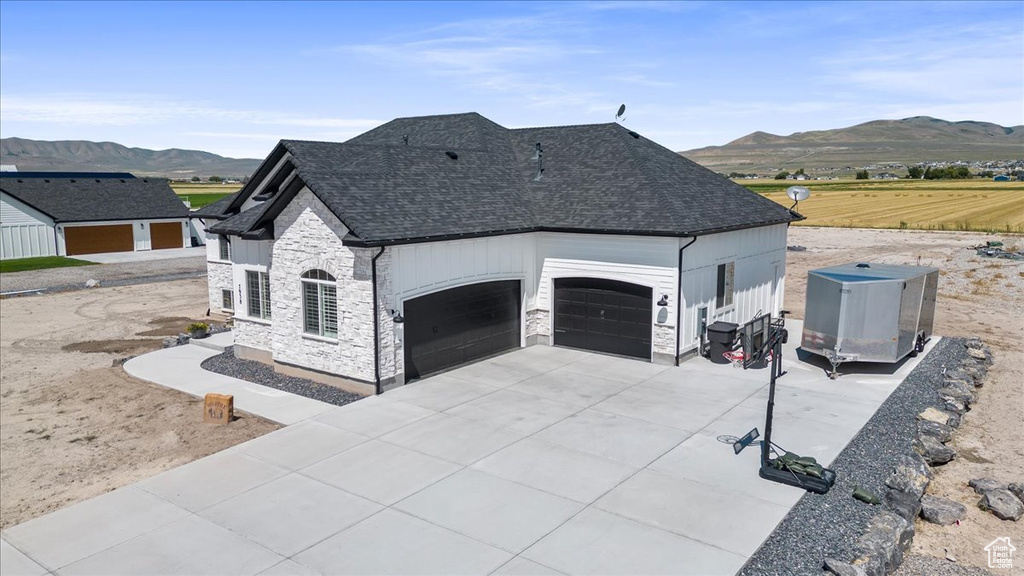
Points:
(604, 316)
(97, 239)
(165, 235)
(460, 325)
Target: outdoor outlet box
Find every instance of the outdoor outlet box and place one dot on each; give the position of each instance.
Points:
(218, 408)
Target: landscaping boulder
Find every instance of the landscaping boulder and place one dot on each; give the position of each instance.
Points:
(974, 342)
(1017, 489)
(953, 406)
(933, 451)
(954, 392)
(907, 484)
(958, 375)
(982, 355)
(1003, 504)
(940, 432)
(91, 283)
(933, 414)
(953, 420)
(974, 370)
(880, 550)
(840, 568)
(942, 511)
(982, 485)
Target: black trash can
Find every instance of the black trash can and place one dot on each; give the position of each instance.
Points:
(722, 336)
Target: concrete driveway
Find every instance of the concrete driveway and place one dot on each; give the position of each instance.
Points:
(541, 461)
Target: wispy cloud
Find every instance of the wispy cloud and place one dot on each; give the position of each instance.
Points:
(142, 109)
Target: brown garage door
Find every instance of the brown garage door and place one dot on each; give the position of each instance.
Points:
(165, 235)
(97, 239)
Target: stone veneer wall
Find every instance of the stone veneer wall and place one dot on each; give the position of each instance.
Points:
(310, 237)
(664, 340)
(538, 327)
(218, 277)
(252, 334)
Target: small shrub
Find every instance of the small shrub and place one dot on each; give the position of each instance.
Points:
(198, 327)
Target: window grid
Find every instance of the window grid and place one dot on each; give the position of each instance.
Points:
(258, 285)
(319, 304)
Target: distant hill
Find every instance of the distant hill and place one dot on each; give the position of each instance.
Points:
(907, 141)
(82, 155)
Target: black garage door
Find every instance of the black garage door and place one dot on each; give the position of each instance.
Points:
(460, 325)
(604, 316)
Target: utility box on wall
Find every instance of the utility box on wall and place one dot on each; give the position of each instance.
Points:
(869, 312)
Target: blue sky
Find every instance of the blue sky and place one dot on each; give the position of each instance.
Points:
(233, 78)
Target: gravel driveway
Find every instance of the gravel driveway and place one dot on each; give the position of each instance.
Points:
(62, 279)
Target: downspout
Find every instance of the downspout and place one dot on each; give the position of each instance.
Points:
(376, 323)
(679, 298)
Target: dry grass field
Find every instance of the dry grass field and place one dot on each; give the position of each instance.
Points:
(955, 205)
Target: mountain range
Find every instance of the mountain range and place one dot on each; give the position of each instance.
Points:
(907, 141)
(83, 155)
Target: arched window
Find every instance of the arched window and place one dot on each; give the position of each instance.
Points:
(319, 304)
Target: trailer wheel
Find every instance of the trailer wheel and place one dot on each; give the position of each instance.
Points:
(918, 346)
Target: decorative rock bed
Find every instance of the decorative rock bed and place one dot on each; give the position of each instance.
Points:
(891, 455)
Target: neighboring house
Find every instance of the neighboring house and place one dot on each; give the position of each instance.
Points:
(886, 176)
(431, 242)
(72, 213)
(1001, 178)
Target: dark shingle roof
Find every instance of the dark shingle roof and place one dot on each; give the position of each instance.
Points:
(214, 210)
(35, 174)
(397, 183)
(85, 200)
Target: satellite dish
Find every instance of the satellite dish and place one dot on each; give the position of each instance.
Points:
(796, 194)
(620, 115)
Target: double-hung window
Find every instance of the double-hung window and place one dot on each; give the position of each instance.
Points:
(726, 278)
(319, 304)
(258, 289)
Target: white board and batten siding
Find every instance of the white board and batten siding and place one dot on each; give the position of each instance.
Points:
(759, 257)
(24, 231)
(420, 269)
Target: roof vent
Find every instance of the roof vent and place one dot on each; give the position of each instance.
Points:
(863, 265)
(634, 134)
(47, 181)
(122, 181)
(405, 139)
(72, 180)
(20, 181)
(145, 180)
(97, 180)
(452, 155)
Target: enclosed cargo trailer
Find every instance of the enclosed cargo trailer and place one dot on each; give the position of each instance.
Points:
(869, 312)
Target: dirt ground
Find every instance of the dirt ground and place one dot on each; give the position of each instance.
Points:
(73, 425)
(977, 297)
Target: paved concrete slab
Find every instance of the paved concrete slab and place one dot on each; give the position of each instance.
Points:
(76, 532)
(520, 413)
(291, 513)
(393, 542)
(191, 545)
(556, 469)
(179, 368)
(440, 393)
(300, 445)
(693, 510)
(579, 463)
(596, 542)
(145, 255)
(628, 440)
(501, 513)
(381, 472)
(211, 480)
(14, 563)
(373, 417)
(520, 566)
(452, 438)
(564, 385)
(289, 568)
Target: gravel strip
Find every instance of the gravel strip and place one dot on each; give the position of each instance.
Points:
(260, 373)
(829, 525)
(920, 565)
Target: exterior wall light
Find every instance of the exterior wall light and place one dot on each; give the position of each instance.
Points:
(664, 300)
(397, 317)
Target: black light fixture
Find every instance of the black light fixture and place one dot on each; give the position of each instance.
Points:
(397, 317)
(664, 300)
